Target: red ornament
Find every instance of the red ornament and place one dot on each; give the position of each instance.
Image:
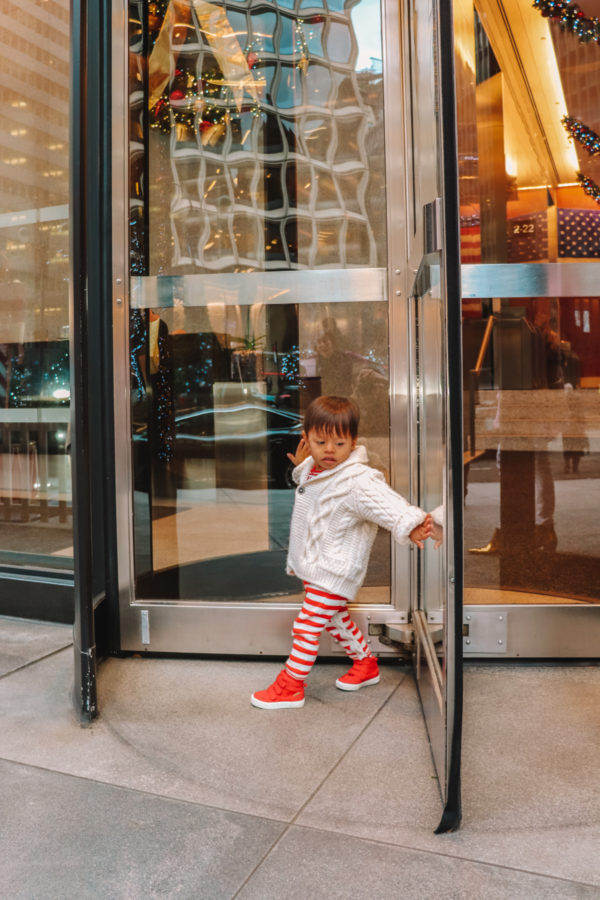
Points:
(252, 59)
(203, 125)
(177, 96)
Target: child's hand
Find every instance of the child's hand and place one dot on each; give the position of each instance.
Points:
(302, 453)
(437, 535)
(420, 534)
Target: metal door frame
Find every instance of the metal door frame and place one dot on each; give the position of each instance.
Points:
(219, 628)
(436, 230)
(95, 552)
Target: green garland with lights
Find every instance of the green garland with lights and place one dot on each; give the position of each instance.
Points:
(590, 141)
(570, 18)
(589, 186)
(577, 130)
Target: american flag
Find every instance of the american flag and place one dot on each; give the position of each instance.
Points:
(579, 233)
(470, 239)
(527, 236)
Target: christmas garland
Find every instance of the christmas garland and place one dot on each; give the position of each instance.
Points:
(577, 130)
(589, 186)
(570, 18)
(590, 141)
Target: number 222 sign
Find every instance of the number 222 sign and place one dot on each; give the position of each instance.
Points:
(524, 228)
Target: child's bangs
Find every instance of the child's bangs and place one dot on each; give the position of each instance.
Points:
(332, 415)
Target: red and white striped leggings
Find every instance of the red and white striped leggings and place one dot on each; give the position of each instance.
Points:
(322, 611)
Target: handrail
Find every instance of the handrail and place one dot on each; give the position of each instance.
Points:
(484, 346)
(474, 379)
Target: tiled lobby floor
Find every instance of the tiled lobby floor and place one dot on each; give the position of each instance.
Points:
(182, 789)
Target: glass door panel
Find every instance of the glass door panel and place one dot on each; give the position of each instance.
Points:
(532, 479)
(258, 261)
(530, 226)
(437, 388)
(36, 523)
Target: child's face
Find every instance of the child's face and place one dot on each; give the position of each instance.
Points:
(329, 450)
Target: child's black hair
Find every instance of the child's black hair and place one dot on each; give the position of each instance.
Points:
(333, 415)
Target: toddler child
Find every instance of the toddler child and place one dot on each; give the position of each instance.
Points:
(339, 503)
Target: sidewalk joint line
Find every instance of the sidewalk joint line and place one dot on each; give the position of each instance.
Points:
(293, 820)
(33, 662)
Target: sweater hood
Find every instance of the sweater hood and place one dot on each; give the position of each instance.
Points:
(358, 455)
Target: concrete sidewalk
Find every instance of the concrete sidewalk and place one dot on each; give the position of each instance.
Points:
(182, 789)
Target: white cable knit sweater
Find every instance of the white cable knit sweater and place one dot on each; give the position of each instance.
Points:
(335, 519)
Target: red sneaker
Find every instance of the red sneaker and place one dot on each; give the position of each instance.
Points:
(364, 671)
(284, 693)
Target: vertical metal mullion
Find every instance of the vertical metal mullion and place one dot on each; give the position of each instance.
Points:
(121, 424)
(90, 257)
(44, 473)
(451, 274)
(85, 697)
(146, 135)
(398, 281)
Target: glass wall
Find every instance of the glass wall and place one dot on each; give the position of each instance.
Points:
(35, 499)
(258, 254)
(528, 92)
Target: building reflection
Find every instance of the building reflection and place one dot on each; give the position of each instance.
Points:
(34, 263)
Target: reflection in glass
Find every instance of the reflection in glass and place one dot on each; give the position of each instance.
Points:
(519, 167)
(318, 85)
(248, 86)
(431, 400)
(35, 498)
(532, 460)
(339, 42)
(349, 137)
(287, 37)
(263, 28)
(317, 137)
(312, 30)
(327, 195)
(289, 92)
(234, 116)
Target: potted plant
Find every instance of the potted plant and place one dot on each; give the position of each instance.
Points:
(247, 357)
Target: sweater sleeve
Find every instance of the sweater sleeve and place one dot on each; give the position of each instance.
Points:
(375, 501)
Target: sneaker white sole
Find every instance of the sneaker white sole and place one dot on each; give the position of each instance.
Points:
(281, 704)
(344, 686)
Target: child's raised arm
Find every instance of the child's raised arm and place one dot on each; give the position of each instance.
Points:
(377, 502)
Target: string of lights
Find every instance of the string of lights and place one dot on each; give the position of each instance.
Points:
(201, 103)
(571, 18)
(589, 186)
(577, 130)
